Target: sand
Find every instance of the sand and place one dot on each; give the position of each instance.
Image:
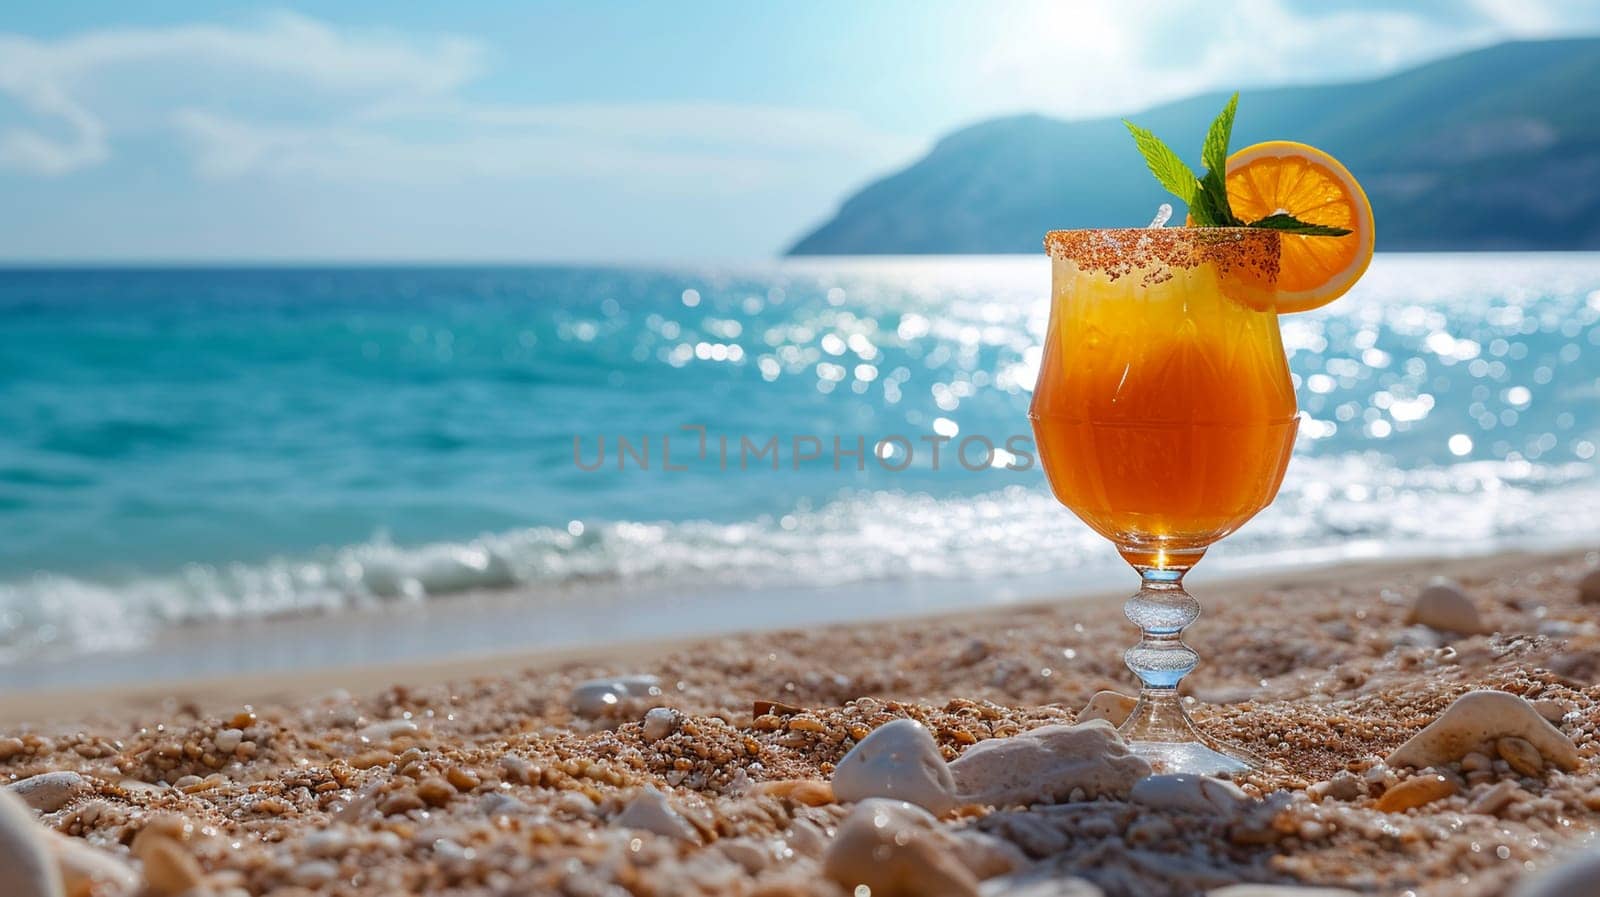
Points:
(480, 778)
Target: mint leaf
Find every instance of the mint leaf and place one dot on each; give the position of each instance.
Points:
(1170, 170)
(1214, 156)
(1292, 225)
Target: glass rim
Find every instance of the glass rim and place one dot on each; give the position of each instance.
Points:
(1120, 248)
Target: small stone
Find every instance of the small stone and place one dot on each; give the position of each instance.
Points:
(1552, 710)
(1414, 792)
(1344, 786)
(1444, 607)
(1111, 706)
(650, 811)
(1589, 587)
(1474, 722)
(400, 802)
(11, 747)
(754, 855)
(1475, 761)
(228, 740)
(596, 697)
(435, 792)
(1251, 890)
(1190, 794)
(169, 870)
(172, 826)
(894, 849)
(1497, 798)
(660, 722)
(1044, 765)
(1520, 756)
(387, 731)
(26, 867)
(314, 874)
(900, 761)
(49, 791)
(462, 779)
(85, 870)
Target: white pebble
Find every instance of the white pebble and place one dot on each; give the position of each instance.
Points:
(597, 696)
(49, 791)
(228, 739)
(900, 761)
(1046, 764)
(650, 812)
(891, 848)
(1190, 794)
(660, 722)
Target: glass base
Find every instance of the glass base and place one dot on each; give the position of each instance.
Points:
(1192, 758)
(1160, 730)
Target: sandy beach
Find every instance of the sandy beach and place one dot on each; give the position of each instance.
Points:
(506, 775)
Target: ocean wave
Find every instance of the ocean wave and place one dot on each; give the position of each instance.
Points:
(869, 536)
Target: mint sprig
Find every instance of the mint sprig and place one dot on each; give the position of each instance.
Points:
(1207, 195)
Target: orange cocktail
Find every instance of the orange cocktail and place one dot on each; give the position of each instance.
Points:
(1164, 411)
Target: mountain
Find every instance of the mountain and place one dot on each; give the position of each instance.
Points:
(1493, 149)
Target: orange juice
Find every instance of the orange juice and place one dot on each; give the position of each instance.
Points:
(1164, 412)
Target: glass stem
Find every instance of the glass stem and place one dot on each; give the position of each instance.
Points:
(1161, 610)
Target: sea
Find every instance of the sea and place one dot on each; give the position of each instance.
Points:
(184, 447)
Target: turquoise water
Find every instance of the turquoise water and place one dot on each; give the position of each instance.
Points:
(180, 445)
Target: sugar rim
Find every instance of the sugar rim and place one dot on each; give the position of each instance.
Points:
(1121, 250)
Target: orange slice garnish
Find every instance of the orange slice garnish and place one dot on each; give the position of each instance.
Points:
(1284, 176)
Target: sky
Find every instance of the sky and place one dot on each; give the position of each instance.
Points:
(598, 131)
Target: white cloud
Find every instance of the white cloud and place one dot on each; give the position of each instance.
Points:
(73, 88)
(291, 96)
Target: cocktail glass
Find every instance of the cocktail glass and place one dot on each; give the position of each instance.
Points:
(1164, 416)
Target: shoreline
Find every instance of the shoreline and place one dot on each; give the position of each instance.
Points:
(47, 704)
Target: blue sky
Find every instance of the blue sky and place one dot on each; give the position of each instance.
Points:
(592, 131)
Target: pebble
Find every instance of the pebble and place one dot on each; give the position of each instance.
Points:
(11, 747)
(1474, 722)
(169, 870)
(1497, 798)
(596, 696)
(660, 722)
(894, 849)
(85, 870)
(1039, 885)
(1589, 587)
(1414, 792)
(26, 867)
(1190, 794)
(1520, 756)
(1344, 786)
(898, 760)
(649, 811)
(1111, 706)
(1575, 877)
(1443, 606)
(228, 740)
(1252, 890)
(1046, 765)
(49, 791)
(387, 731)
